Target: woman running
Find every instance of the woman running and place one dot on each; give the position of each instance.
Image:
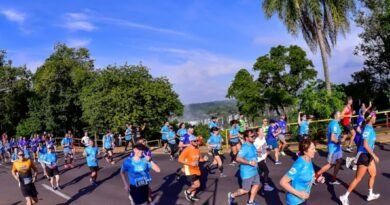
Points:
(171, 137)
(51, 167)
(67, 149)
(282, 124)
(108, 144)
(304, 124)
(346, 115)
(91, 156)
(42, 151)
(262, 153)
(366, 162)
(164, 132)
(234, 141)
(272, 141)
(182, 131)
(299, 179)
(215, 145)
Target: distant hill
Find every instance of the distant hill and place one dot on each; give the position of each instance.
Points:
(199, 111)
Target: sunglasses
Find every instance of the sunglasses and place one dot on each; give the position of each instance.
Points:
(20, 154)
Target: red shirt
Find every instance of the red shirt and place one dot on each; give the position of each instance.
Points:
(347, 120)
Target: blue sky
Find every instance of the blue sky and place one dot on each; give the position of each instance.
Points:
(199, 45)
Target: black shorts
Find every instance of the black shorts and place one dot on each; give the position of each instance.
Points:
(29, 190)
(364, 159)
(347, 129)
(94, 169)
(52, 172)
(234, 143)
(108, 149)
(216, 152)
(191, 178)
(300, 138)
(139, 195)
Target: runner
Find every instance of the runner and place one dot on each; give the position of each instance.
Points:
(190, 158)
(91, 155)
(366, 162)
(85, 139)
(358, 136)
(73, 146)
(272, 141)
(234, 140)
(346, 115)
(265, 125)
(108, 145)
(335, 154)
(164, 132)
(213, 123)
(182, 131)
(67, 149)
(14, 155)
(262, 153)
(128, 136)
(2, 153)
(242, 123)
(184, 142)
(25, 173)
(303, 126)
(247, 157)
(42, 150)
(138, 171)
(34, 146)
(215, 145)
(282, 124)
(299, 179)
(51, 168)
(171, 137)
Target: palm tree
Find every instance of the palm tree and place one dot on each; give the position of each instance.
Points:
(320, 21)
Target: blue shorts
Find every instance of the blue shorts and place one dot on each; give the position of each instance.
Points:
(273, 144)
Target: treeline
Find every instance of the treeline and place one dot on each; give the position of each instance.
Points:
(68, 93)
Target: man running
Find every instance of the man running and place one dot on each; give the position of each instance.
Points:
(25, 173)
(335, 154)
(138, 168)
(184, 143)
(85, 139)
(272, 141)
(304, 124)
(164, 132)
(234, 141)
(262, 153)
(108, 145)
(171, 137)
(213, 123)
(247, 157)
(215, 146)
(128, 136)
(282, 124)
(91, 155)
(182, 131)
(190, 158)
(346, 115)
(67, 149)
(51, 168)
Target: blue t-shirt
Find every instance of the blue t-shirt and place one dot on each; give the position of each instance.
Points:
(248, 152)
(302, 176)
(171, 137)
(368, 135)
(282, 124)
(27, 153)
(234, 132)
(164, 129)
(359, 124)
(107, 140)
(185, 139)
(42, 152)
(128, 134)
(213, 124)
(304, 127)
(50, 159)
(67, 143)
(215, 141)
(181, 132)
(92, 156)
(334, 128)
(138, 171)
(271, 130)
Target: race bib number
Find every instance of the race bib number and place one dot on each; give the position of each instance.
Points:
(141, 182)
(27, 180)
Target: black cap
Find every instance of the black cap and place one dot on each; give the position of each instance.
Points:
(190, 126)
(140, 146)
(272, 121)
(214, 129)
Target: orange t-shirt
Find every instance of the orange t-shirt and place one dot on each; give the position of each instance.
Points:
(191, 155)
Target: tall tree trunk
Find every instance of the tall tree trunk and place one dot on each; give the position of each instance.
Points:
(324, 56)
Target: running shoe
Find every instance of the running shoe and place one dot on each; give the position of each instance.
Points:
(354, 168)
(222, 175)
(194, 198)
(373, 196)
(252, 203)
(187, 195)
(348, 162)
(278, 162)
(233, 163)
(282, 153)
(230, 198)
(344, 200)
(335, 182)
(54, 188)
(58, 187)
(268, 187)
(349, 149)
(170, 158)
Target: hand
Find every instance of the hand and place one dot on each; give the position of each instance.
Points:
(148, 158)
(127, 188)
(252, 163)
(321, 179)
(205, 158)
(376, 159)
(303, 195)
(34, 179)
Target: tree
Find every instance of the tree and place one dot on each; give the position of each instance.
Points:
(320, 22)
(128, 94)
(15, 84)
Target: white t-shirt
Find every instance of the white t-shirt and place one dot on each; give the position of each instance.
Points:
(261, 144)
(85, 140)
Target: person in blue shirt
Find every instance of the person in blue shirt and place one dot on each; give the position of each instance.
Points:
(34, 146)
(234, 141)
(304, 123)
(215, 146)
(183, 143)
(272, 140)
(91, 154)
(42, 151)
(182, 130)
(2, 152)
(138, 177)
(27, 152)
(335, 153)
(129, 136)
(164, 132)
(299, 179)
(213, 123)
(108, 145)
(282, 124)
(67, 149)
(50, 161)
(366, 162)
(171, 137)
(247, 157)
(14, 155)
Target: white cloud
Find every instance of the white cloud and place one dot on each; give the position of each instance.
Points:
(77, 43)
(13, 15)
(78, 22)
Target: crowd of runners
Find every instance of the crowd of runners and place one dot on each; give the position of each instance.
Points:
(249, 151)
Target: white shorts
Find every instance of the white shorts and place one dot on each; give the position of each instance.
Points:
(333, 156)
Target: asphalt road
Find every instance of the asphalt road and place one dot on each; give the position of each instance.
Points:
(167, 191)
